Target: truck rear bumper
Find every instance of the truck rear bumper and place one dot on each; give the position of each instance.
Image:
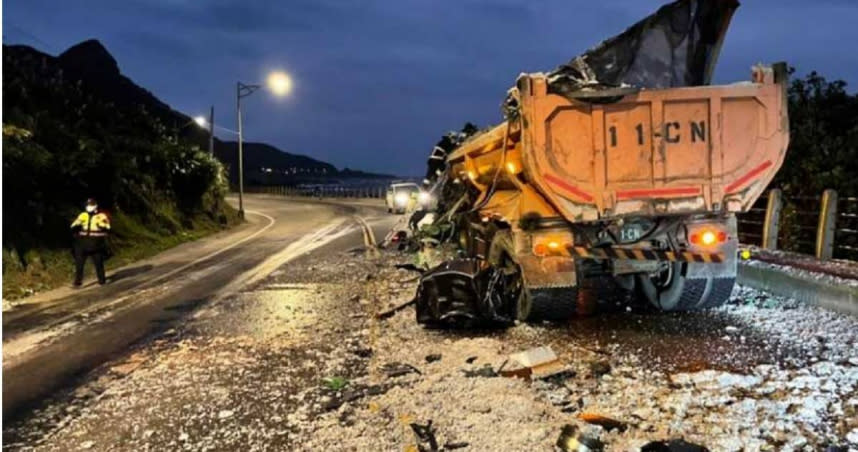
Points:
(643, 254)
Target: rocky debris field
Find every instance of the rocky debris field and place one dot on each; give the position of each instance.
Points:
(301, 361)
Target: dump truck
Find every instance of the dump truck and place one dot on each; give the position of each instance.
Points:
(609, 185)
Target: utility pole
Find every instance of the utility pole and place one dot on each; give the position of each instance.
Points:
(211, 132)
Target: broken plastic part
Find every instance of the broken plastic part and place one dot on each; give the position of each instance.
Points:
(539, 362)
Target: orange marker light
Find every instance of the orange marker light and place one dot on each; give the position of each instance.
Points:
(708, 237)
(540, 249)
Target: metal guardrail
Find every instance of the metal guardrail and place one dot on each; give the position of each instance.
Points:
(825, 226)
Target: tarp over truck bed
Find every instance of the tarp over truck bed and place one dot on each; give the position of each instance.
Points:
(676, 46)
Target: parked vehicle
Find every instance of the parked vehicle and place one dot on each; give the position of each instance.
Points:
(401, 197)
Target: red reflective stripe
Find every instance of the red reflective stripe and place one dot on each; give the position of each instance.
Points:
(655, 192)
(570, 188)
(747, 177)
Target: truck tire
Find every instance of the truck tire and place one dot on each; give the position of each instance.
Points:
(680, 293)
(720, 290)
(531, 305)
(555, 304)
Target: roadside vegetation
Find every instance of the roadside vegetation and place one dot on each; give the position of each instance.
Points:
(822, 152)
(74, 130)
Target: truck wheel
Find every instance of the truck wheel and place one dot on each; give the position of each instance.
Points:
(720, 290)
(672, 291)
(667, 290)
(500, 257)
(523, 307)
(555, 304)
(531, 305)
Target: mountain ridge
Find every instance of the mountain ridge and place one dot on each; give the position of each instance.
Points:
(92, 64)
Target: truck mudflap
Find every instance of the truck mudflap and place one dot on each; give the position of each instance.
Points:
(465, 293)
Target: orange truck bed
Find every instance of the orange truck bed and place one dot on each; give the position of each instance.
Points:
(674, 151)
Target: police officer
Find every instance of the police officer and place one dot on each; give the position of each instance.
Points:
(90, 230)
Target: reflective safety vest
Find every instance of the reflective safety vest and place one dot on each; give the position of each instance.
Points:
(95, 225)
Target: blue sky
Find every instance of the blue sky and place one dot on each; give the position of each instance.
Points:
(378, 81)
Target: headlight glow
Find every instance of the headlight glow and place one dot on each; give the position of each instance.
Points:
(401, 198)
(424, 197)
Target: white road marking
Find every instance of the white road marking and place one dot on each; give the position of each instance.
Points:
(297, 248)
(26, 341)
(271, 222)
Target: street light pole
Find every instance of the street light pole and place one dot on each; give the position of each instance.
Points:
(242, 90)
(280, 84)
(240, 154)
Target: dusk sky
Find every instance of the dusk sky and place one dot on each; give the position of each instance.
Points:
(377, 82)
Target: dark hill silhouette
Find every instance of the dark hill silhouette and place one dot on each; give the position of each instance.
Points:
(90, 63)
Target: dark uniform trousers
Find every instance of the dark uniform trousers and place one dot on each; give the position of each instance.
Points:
(95, 247)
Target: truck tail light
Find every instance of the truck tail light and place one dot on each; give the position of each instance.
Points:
(548, 247)
(708, 237)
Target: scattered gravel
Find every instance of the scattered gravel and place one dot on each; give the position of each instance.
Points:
(300, 362)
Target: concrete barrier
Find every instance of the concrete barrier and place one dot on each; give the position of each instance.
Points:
(841, 298)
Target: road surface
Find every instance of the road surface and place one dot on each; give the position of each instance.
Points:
(296, 359)
(54, 335)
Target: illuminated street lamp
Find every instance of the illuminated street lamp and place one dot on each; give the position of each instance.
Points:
(280, 84)
(207, 124)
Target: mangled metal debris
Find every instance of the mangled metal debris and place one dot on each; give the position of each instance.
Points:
(487, 371)
(571, 440)
(463, 292)
(676, 46)
(393, 370)
(426, 440)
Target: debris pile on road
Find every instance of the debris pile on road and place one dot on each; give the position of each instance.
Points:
(301, 362)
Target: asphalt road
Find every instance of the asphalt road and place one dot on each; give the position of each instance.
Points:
(56, 335)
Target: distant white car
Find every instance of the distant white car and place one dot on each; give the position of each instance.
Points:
(401, 197)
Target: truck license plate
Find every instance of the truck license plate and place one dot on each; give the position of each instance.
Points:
(631, 232)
